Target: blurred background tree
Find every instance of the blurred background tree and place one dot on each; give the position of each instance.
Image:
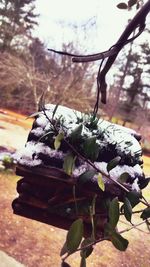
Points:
(27, 68)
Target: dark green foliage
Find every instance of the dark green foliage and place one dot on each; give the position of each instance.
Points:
(122, 6)
(86, 176)
(145, 214)
(132, 3)
(65, 264)
(74, 235)
(76, 133)
(134, 198)
(113, 163)
(64, 249)
(83, 262)
(127, 209)
(144, 183)
(114, 212)
(118, 241)
(87, 251)
(8, 162)
(123, 177)
(91, 148)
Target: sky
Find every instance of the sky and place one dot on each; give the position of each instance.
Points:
(63, 21)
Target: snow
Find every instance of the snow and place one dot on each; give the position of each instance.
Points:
(38, 131)
(29, 155)
(106, 133)
(135, 185)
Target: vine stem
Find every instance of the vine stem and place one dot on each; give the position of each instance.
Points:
(103, 239)
(85, 247)
(132, 227)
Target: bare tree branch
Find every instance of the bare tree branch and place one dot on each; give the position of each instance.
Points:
(138, 22)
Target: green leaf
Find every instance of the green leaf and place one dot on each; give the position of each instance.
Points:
(65, 264)
(100, 182)
(133, 197)
(74, 235)
(87, 251)
(83, 262)
(58, 139)
(76, 133)
(144, 183)
(64, 249)
(122, 6)
(108, 229)
(86, 176)
(34, 115)
(145, 214)
(127, 209)
(118, 241)
(114, 212)
(113, 163)
(54, 111)
(91, 148)
(123, 177)
(41, 104)
(131, 3)
(69, 164)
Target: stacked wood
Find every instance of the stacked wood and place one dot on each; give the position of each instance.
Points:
(46, 195)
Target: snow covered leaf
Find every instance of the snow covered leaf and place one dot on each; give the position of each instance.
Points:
(58, 140)
(91, 148)
(113, 163)
(76, 133)
(123, 177)
(101, 182)
(74, 235)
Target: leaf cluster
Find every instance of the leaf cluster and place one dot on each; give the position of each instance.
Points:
(129, 4)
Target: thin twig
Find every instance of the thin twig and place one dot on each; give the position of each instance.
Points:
(136, 227)
(85, 247)
(132, 227)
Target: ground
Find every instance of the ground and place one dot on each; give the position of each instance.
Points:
(37, 245)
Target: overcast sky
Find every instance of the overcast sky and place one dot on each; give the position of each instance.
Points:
(56, 16)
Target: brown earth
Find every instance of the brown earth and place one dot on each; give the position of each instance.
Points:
(37, 245)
